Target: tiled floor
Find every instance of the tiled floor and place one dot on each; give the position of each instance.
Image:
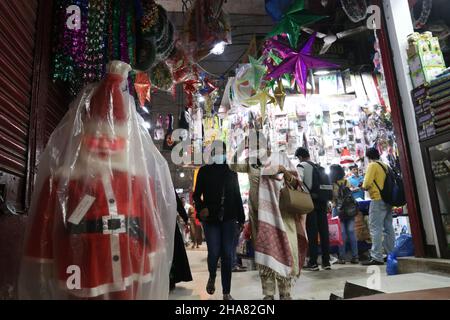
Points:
(246, 285)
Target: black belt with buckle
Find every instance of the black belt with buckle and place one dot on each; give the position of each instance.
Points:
(110, 225)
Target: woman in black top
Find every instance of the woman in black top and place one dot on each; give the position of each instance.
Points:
(218, 200)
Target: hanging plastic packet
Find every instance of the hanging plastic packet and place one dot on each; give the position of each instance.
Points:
(102, 217)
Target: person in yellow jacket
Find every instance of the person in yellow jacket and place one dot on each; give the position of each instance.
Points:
(380, 213)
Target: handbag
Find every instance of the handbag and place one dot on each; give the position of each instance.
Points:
(295, 201)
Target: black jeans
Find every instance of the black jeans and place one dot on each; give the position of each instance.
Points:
(220, 239)
(317, 224)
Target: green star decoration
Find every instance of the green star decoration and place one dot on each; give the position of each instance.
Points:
(256, 72)
(292, 22)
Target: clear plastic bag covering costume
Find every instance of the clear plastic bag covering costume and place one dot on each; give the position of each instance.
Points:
(103, 212)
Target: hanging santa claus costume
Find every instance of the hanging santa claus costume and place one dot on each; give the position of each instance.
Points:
(103, 209)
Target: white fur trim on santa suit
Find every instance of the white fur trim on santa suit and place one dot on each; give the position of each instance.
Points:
(109, 287)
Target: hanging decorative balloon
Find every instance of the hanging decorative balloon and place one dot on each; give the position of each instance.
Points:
(277, 8)
(179, 64)
(161, 77)
(356, 10)
(208, 87)
(425, 12)
(241, 87)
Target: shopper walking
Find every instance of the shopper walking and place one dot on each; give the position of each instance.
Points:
(316, 221)
(195, 229)
(380, 213)
(345, 207)
(236, 263)
(180, 270)
(218, 200)
(356, 181)
(281, 243)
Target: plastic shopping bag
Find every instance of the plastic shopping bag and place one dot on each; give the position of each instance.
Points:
(242, 245)
(334, 229)
(392, 265)
(404, 246)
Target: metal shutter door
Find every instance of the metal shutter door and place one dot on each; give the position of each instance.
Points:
(17, 41)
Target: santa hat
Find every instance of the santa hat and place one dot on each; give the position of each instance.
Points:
(346, 157)
(107, 102)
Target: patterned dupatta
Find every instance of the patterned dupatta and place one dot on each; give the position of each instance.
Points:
(274, 253)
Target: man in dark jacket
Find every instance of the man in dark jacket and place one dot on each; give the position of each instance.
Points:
(218, 200)
(316, 221)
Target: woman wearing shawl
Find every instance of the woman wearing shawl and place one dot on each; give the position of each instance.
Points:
(281, 242)
(282, 262)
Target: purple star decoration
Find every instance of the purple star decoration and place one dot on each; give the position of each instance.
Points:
(297, 62)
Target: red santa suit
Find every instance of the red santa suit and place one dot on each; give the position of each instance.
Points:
(99, 217)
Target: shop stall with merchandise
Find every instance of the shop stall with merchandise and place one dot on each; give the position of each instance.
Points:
(428, 54)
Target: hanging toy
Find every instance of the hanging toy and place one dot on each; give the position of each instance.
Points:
(159, 130)
(168, 141)
(142, 86)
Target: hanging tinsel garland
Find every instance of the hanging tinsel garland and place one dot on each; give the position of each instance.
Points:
(62, 62)
(95, 42)
(123, 45)
(115, 54)
(109, 30)
(79, 43)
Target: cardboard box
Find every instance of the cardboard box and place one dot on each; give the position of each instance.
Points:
(425, 59)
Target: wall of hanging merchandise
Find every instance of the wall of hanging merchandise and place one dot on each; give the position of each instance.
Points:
(139, 33)
(432, 107)
(329, 124)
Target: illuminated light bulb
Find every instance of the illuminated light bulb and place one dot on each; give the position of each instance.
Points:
(219, 48)
(321, 73)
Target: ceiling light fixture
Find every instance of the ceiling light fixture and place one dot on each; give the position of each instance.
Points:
(322, 73)
(182, 175)
(219, 48)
